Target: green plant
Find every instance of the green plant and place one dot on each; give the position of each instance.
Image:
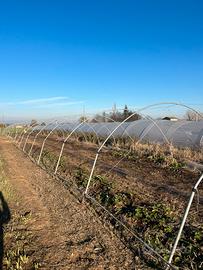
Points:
(175, 165)
(16, 258)
(80, 177)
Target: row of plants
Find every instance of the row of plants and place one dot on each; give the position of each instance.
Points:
(162, 158)
(156, 223)
(158, 158)
(167, 151)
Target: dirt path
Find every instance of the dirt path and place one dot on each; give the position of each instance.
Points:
(68, 235)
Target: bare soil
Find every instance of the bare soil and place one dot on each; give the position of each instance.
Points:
(143, 176)
(65, 233)
(148, 181)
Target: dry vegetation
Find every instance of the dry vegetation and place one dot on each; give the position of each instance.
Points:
(17, 235)
(145, 186)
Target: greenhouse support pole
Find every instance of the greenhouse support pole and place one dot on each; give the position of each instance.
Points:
(66, 139)
(30, 151)
(184, 220)
(90, 178)
(59, 159)
(43, 144)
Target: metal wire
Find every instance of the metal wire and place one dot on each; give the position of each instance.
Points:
(130, 231)
(19, 138)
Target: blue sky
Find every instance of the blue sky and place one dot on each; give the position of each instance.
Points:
(58, 56)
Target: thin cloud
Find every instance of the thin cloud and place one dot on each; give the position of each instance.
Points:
(60, 104)
(37, 101)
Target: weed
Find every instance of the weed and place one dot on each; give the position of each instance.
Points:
(16, 258)
(80, 177)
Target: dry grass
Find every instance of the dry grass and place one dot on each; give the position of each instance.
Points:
(169, 153)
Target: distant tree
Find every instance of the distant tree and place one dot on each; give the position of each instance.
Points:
(135, 117)
(99, 118)
(116, 116)
(105, 117)
(33, 123)
(127, 113)
(83, 119)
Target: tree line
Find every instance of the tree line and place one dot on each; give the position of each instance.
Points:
(114, 116)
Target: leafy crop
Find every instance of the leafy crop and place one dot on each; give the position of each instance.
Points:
(155, 223)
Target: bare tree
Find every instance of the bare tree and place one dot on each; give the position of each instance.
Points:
(193, 116)
(83, 119)
(117, 116)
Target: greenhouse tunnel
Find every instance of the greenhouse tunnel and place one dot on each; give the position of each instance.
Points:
(180, 133)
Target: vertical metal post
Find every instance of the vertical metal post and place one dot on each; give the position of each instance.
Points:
(90, 178)
(29, 153)
(61, 152)
(59, 159)
(28, 138)
(42, 148)
(183, 221)
(21, 140)
(18, 138)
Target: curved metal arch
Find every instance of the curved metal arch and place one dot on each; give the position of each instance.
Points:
(93, 132)
(154, 123)
(100, 148)
(43, 144)
(18, 138)
(60, 132)
(84, 135)
(18, 141)
(177, 128)
(112, 120)
(130, 116)
(16, 134)
(171, 103)
(51, 121)
(7, 128)
(114, 139)
(28, 128)
(140, 139)
(193, 191)
(63, 145)
(72, 132)
(44, 128)
(106, 118)
(170, 131)
(28, 135)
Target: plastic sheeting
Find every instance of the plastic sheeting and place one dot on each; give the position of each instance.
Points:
(179, 133)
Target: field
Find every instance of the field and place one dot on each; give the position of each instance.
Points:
(135, 192)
